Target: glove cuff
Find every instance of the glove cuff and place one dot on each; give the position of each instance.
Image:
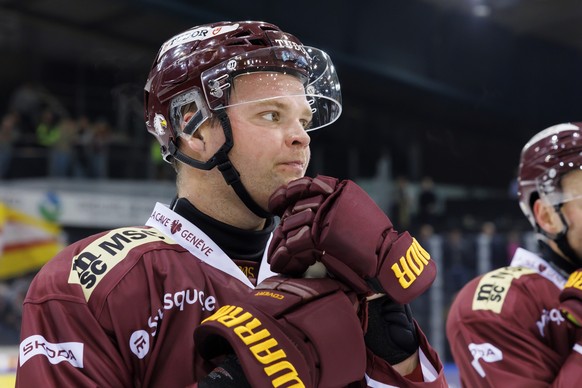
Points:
(391, 332)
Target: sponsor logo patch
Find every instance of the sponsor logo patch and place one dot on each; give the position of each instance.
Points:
(37, 345)
(90, 266)
(547, 317)
(139, 343)
(485, 352)
(493, 287)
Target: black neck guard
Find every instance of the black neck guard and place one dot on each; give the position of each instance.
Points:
(238, 244)
(558, 262)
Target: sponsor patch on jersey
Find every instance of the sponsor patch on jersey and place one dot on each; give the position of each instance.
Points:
(139, 343)
(493, 287)
(201, 33)
(90, 266)
(37, 345)
(487, 353)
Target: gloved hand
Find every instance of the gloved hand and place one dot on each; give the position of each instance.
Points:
(571, 298)
(302, 331)
(391, 333)
(337, 223)
(229, 374)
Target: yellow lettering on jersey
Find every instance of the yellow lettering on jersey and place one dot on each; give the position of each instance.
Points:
(411, 265)
(98, 258)
(494, 286)
(261, 343)
(575, 280)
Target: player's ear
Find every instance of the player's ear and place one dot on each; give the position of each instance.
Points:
(196, 141)
(547, 217)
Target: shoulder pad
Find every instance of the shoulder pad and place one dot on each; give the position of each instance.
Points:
(101, 255)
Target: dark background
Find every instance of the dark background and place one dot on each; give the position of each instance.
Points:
(442, 91)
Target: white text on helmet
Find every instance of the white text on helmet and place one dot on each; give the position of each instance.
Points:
(292, 45)
(195, 34)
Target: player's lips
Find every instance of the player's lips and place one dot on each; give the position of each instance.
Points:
(294, 164)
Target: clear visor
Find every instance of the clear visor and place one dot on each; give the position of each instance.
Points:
(549, 184)
(285, 72)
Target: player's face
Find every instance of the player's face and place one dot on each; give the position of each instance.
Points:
(271, 146)
(572, 210)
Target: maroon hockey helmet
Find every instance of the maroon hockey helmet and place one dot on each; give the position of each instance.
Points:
(198, 67)
(545, 159)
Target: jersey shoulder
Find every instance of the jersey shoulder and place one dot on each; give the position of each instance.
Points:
(504, 291)
(97, 263)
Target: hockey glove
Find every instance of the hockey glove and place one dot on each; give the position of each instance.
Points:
(289, 331)
(391, 332)
(571, 298)
(337, 223)
(229, 374)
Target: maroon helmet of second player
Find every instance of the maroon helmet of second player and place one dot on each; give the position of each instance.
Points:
(545, 159)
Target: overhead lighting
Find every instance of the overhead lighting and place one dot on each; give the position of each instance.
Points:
(481, 10)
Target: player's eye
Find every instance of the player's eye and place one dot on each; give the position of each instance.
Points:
(270, 116)
(306, 124)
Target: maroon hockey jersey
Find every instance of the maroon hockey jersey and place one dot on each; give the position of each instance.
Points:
(505, 329)
(118, 309)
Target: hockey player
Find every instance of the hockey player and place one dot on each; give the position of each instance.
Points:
(518, 326)
(190, 299)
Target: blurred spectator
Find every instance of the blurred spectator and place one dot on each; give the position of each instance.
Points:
(513, 242)
(91, 148)
(427, 202)
(9, 134)
(491, 248)
(29, 100)
(512, 188)
(12, 295)
(99, 151)
(401, 205)
(81, 155)
(46, 130)
(459, 261)
(59, 138)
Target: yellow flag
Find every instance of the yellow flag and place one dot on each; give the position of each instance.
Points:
(26, 242)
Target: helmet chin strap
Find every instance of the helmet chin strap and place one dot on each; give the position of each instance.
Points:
(222, 162)
(561, 240)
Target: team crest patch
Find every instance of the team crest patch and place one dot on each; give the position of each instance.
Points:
(160, 124)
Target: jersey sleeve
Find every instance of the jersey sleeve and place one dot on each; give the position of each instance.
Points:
(61, 341)
(487, 353)
(505, 328)
(63, 338)
(571, 371)
(381, 374)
